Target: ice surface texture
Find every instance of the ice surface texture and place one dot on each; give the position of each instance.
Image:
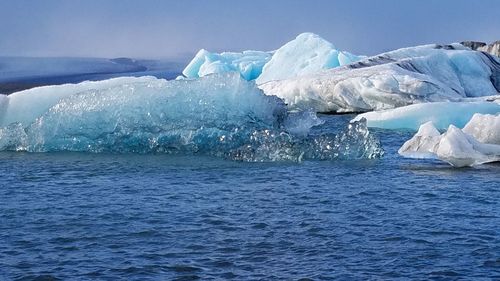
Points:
(27, 105)
(441, 114)
(406, 76)
(306, 54)
(248, 63)
(484, 127)
(477, 143)
(221, 115)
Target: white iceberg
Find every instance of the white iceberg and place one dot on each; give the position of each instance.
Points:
(441, 114)
(477, 144)
(306, 54)
(402, 77)
(248, 63)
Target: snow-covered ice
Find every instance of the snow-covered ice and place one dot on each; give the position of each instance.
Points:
(402, 77)
(310, 73)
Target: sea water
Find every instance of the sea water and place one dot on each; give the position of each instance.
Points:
(102, 216)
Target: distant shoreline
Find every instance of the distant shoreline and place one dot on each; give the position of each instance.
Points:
(22, 73)
(9, 87)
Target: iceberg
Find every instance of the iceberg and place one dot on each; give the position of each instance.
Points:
(477, 143)
(306, 54)
(441, 114)
(220, 115)
(248, 63)
(428, 73)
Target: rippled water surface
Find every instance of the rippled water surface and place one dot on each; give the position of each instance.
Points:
(73, 216)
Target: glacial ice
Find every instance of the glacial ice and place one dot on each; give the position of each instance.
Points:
(25, 106)
(423, 143)
(441, 114)
(477, 143)
(248, 63)
(429, 73)
(484, 127)
(220, 115)
(306, 54)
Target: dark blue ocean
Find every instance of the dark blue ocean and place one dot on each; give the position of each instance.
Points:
(76, 216)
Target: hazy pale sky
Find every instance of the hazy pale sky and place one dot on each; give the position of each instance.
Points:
(166, 29)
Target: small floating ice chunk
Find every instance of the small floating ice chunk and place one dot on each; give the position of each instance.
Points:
(422, 145)
(456, 147)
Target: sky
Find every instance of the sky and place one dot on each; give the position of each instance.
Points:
(176, 29)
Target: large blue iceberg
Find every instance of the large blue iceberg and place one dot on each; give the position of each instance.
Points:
(306, 54)
(220, 115)
(402, 77)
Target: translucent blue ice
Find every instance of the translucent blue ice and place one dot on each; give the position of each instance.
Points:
(248, 63)
(306, 54)
(221, 115)
(441, 114)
